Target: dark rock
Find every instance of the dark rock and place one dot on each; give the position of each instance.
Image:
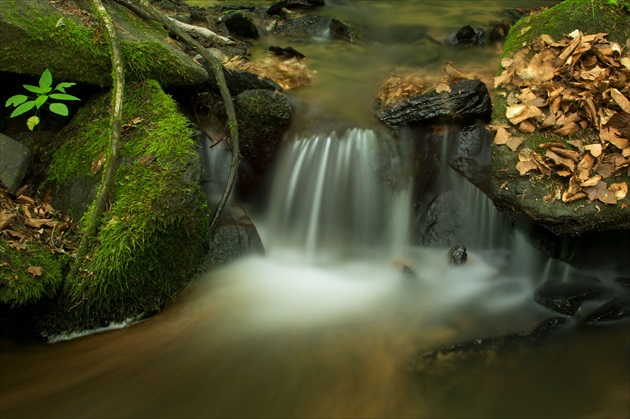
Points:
(198, 14)
(15, 163)
(624, 282)
(467, 101)
(471, 155)
(567, 297)
(467, 36)
(344, 32)
(307, 26)
(457, 255)
(611, 312)
(286, 53)
(442, 223)
(75, 197)
(467, 353)
(234, 236)
(241, 24)
(263, 117)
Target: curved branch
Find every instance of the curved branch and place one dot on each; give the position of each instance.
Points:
(217, 68)
(118, 83)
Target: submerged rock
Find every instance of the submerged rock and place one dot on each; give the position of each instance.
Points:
(567, 297)
(613, 311)
(467, 100)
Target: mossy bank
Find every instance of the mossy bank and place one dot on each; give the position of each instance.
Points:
(154, 235)
(65, 38)
(528, 195)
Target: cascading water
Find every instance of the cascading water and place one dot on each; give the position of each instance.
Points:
(333, 197)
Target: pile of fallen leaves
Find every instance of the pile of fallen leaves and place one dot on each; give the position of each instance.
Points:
(25, 220)
(579, 84)
(289, 73)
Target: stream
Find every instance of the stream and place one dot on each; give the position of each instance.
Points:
(325, 326)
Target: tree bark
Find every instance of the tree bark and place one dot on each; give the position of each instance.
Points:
(217, 68)
(107, 185)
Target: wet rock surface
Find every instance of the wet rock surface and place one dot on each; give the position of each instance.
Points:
(241, 23)
(457, 255)
(263, 117)
(471, 154)
(568, 297)
(468, 100)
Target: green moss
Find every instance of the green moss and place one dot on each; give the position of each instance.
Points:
(154, 234)
(17, 285)
(590, 16)
(75, 49)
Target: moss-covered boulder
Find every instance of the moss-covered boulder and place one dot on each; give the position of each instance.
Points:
(154, 235)
(534, 195)
(65, 38)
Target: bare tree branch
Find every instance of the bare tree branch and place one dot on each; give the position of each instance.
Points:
(107, 185)
(217, 68)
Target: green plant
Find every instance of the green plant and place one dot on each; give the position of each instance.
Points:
(22, 103)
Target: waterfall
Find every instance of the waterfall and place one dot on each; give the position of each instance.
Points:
(337, 196)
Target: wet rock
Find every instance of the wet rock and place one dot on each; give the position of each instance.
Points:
(457, 255)
(286, 53)
(568, 297)
(624, 282)
(462, 355)
(468, 100)
(234, 236)
(263, 117)
(613, 311)
(15, 163)
(442, 223)
(471, 154)
(241, 24)
(467, 36)
(344, 32)
(307, 26)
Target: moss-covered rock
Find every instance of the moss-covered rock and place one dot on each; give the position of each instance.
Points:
(529, 195)
(65, 38)
(154, 236)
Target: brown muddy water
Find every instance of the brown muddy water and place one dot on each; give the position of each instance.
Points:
(276, 337)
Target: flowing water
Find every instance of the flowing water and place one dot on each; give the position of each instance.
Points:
(327, 324)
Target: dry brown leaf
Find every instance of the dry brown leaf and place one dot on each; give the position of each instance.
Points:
(620, 100)
(591, 182)
(97, 164)
(526, 127)
(619, 189)
(594, 149)
(442, 87)
(514, 142)
(519, 113)
(559, 160)
(568, 129)
(526, 166)
(34, 270)
(564, 173)
(6, 219)
(502, 136)
(569, 154)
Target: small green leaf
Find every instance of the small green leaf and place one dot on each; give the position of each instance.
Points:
(32, 122)
(59, 109)
(16, 100)
(40, 100)
(23, 108)
(35, 89)
(63, 96)
(45, 81)
(62, 86)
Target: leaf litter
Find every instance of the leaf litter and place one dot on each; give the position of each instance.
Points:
(576, 85)
(24, 220)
